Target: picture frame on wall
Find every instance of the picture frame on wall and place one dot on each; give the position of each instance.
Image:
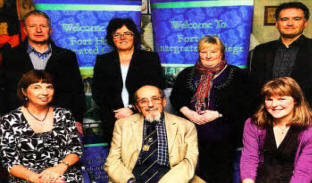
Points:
(269, 18)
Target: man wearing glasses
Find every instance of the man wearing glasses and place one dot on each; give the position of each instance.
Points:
(152, 145)
(39, 52)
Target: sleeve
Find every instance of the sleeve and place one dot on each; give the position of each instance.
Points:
(114, 167)
(250, 152)
(180, 95)
(155, 75)
(73, 144)
(78, 105)
(184, 171)
(8, 151)
(303, 165)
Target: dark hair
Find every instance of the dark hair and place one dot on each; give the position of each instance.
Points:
(288, 5)
(31, 77)
(283, 86)
(117, 23)
(38, 13)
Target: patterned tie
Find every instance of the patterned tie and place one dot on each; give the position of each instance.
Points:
(147, 169)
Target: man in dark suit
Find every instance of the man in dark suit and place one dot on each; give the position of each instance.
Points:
(39, 52)
(291, 55)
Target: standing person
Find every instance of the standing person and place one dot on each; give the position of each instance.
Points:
(39, 52)
(152, 145)
(288, 56)
(278, 138)
(118, 74)
(209, 94)
(39, 143)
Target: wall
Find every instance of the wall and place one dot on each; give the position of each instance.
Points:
(261, 33)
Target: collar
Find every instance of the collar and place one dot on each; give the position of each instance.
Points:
(297, 43)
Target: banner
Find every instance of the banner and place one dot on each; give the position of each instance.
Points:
(80, 25)
(179, 25)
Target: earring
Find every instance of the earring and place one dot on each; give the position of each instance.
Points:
(26, 98)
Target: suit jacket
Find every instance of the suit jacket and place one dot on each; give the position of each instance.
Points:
(107, 82)
(62, 65)
(252, 154)
(261, 67)
(127, 143)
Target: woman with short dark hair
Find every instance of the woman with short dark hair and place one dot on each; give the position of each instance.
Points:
(39, 142)
(118, 74)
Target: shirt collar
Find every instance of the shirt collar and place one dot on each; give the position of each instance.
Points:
(297, 43)
(40, 55)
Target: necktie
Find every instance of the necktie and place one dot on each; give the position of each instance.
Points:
(147, 171)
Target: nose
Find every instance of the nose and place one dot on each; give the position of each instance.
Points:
(274, 103)
(150, 103)
(38, 28)
(44, 91)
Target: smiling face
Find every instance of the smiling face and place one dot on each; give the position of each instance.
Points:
(211, 55)
(37, 29)
(39, 94)
(291, 22)
(280, 107)
(123, 39)
(150, 102)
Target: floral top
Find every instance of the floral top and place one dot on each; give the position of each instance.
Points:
(20, 145)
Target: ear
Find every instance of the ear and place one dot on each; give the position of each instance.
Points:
(24, 30)
(164, 102)
(138, 108)
(24, 92)
(50, 31)
(306, 23)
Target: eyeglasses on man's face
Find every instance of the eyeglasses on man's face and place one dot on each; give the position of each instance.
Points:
(146, 101)
(125, 34)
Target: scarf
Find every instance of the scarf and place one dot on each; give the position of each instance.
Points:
(205, 84)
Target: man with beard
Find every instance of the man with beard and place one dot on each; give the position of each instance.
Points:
(291, 55)
(152, 145)
(39, 52)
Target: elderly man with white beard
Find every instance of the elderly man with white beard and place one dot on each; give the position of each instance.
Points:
(152, 145)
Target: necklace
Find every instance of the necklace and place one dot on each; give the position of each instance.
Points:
(282, 129)
(41, 120)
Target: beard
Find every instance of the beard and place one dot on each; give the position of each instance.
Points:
(155, 116)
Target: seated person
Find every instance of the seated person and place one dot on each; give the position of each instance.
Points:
(39, 143)
(152, 144)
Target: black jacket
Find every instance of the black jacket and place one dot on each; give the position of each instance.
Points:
(144, 69)
(62, 65)
(261, 67)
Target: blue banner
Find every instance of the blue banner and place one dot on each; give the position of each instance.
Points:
(80, 25)
(179, 25)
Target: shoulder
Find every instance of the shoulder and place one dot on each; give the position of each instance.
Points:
(59, 50)
(11, 118)
(145, 53)
(187, 71)
(307, 133)
(181, 122)
(105, 57)
(267, 45)
(127, 121)
(59, 112)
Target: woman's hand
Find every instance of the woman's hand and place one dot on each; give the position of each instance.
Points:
(192, 115)
(123, 112)
(210, 115)
(248, 181)
(52, 174)
(33, 178)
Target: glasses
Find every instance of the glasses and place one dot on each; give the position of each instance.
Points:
(33, 26)
(125, 34)
(145, 101)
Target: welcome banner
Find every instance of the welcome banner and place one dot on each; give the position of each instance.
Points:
(179, 25)
(80, 25)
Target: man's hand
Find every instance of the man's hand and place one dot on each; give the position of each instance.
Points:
(123, 112)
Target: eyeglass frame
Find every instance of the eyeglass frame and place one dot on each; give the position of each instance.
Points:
(125, 34)
(153, 99)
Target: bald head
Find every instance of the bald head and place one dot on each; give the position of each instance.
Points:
(150, 101)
